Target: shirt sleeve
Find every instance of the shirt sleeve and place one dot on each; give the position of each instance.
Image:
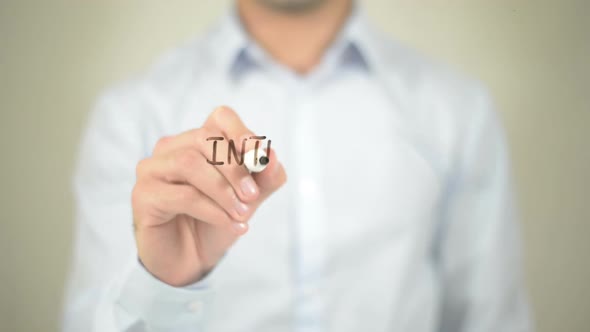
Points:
(108, 288)
(480, 249)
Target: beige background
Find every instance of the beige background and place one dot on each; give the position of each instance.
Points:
(55, 57)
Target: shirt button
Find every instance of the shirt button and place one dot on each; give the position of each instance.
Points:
(194, 306)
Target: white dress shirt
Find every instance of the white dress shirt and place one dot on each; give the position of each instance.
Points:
(397, 214)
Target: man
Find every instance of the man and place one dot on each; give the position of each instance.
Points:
(397, 214)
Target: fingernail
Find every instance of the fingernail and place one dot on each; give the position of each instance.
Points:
(249, 188)
(240, 207)
(239, 227)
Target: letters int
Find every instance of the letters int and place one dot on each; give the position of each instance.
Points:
(231, 149)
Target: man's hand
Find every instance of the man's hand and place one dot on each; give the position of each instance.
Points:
(187, 212)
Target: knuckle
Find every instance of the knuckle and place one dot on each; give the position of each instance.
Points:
(186, 194)
(138, 197)
(203, 134)
(221, 114)
(141, 169)
(195, 134)
(221, 216)
(232, 211)
(229, 194)
(161, 143)
(187, 159)
(225, 218)
(147, 205)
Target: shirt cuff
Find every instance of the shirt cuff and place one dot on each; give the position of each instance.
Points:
(159, 305)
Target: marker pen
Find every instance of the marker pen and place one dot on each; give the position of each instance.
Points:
(256, 160)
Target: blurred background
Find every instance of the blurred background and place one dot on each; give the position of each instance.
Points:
(57, 56)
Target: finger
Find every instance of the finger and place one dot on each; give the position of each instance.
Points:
(187, 139)
(160, 201)
(222, 122)
(189, 166)
(225, 120)
(272, 177)
(229, 152)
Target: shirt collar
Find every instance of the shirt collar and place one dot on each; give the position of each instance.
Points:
(236, 53)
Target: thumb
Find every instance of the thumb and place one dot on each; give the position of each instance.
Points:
(273, 176)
